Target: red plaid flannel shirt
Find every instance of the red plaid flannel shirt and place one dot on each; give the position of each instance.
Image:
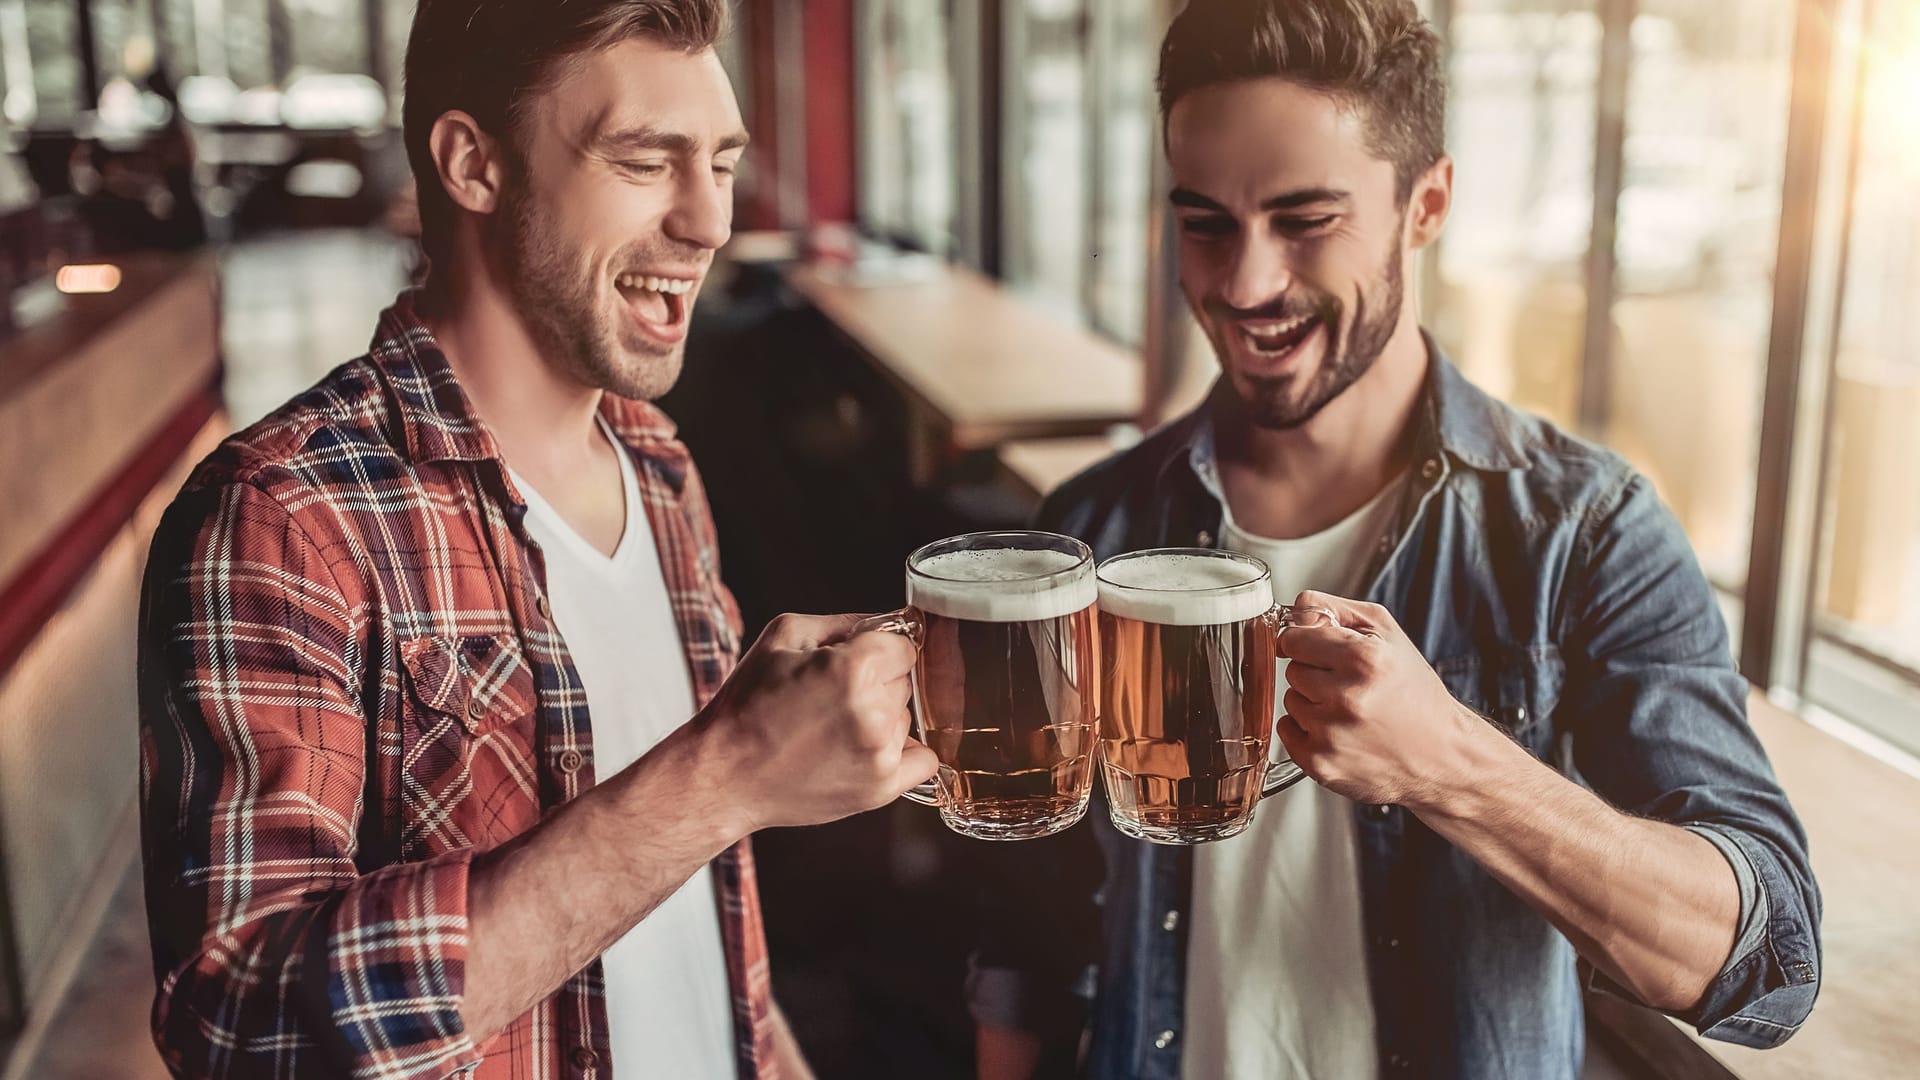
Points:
(350, 684)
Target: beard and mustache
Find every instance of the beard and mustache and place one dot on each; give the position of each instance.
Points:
(1275, 403)
(558, 297)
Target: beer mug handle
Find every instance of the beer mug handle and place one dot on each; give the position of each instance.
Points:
(1283, 774)
(909, 624)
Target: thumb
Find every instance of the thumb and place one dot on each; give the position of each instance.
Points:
(917, 763)
(1351, 614)
(807, 632)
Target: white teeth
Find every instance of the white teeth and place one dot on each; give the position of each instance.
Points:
(649, 283)
(1276, 329)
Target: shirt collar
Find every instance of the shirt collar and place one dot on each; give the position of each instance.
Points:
(437, 419)
(1456, 418)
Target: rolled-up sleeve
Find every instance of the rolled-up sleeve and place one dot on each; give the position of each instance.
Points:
(274, 955)
(1658, 714)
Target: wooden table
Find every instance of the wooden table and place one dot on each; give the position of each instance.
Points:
(1034, 467)
(977, 366)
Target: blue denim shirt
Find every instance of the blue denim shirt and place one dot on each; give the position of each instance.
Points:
(1554, 594)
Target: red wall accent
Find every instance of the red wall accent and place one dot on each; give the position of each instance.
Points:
(762, 210)
(830, 112)
(827, 34)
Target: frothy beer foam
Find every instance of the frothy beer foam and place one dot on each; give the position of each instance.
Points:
(1001, 585)
(1184, 590)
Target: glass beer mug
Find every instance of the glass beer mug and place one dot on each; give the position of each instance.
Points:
(1188, 640)
(1003, 692)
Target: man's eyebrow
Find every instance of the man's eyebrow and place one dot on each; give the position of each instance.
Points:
(646, 137)
(1291, 200)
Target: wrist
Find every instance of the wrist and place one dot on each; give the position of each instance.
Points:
(693, 770)
(1477, 771)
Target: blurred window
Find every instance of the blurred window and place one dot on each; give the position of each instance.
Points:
(328, 36)
(1048, 132)
(1129, 128)
(1699, 226)
(123, 39)
(1510, 303)
(248, 43)
(907, 162)
(53, 42)
(1865, 648)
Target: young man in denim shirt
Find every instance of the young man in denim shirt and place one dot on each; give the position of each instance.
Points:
(1535, 775)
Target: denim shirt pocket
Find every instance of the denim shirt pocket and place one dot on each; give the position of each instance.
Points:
(1514, 687)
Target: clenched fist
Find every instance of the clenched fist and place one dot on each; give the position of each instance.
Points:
(813, 723)
(1365, 714)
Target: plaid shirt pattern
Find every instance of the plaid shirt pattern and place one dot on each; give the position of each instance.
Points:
(350, 684)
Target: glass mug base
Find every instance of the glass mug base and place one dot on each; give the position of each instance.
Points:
(1182, 835)
(1184, 810)
(1013, 819)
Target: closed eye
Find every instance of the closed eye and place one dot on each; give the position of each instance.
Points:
(1211, 225)
(1305, 225)
(643, 168)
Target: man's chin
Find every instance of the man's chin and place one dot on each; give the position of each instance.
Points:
(645, 371)
(1276, 404)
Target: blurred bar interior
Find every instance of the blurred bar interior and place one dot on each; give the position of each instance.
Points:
(1685, 228)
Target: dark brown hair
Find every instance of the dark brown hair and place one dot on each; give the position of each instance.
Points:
(1380, 56)
(489, 57)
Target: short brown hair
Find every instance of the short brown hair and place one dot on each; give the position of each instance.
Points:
(1379, 55)
(488, 57)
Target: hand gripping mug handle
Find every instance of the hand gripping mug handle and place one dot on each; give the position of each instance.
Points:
(1283, 774)
(909, 623)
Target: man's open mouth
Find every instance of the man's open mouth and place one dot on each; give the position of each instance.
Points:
(1277, 337)
(658, 303)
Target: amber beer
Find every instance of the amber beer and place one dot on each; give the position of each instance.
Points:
(1004, 689)
(1187, 640)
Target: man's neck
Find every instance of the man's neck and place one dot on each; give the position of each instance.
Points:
(543, 421)
(1294, 482)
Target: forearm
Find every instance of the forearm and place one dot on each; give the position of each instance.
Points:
(1653, 906)
(541, 907)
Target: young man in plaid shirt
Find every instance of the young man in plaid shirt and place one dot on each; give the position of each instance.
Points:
(382, 836)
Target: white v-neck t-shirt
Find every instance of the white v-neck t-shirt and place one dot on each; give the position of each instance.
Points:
(669, 1005)
(1277, 983)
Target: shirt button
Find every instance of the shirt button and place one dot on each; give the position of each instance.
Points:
(1381, 812)
(546, 612)
(1396, 1061)
(1171, 920)
(585, 1058)
(1205, 539)
(476, 710)
(570, 762)
(1386, 542)
(1164, 1039)
(1430, 469)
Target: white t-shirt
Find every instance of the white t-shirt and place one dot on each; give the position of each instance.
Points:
(1276, 958)
(668, 1001)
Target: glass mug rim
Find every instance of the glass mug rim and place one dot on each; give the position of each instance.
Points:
(1261, 573)
(1066, 545)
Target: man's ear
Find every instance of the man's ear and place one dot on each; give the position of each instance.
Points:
(470, 162)
(1431, 202)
